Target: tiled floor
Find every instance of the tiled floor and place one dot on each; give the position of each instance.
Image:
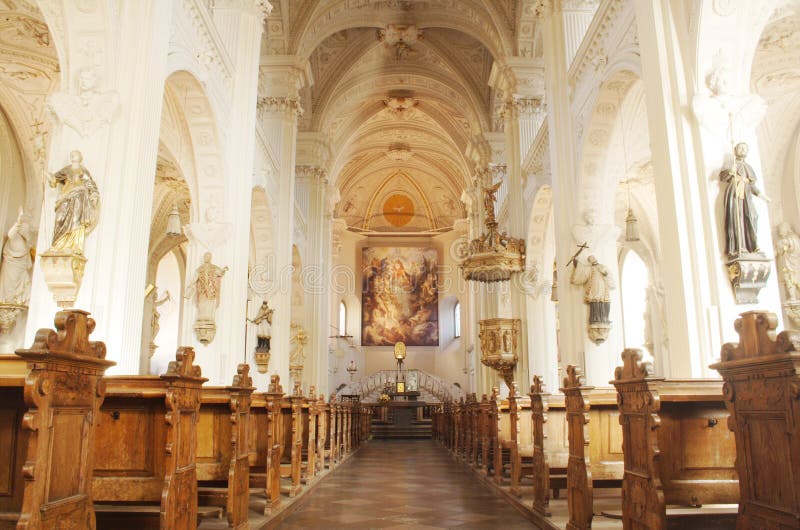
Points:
(404, 485)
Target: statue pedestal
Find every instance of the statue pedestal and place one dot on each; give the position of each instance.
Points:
(296, 373)
(63, 274)
(748, 274)
(9, 313)
(205, 330)
(262, 361)
(499, 342)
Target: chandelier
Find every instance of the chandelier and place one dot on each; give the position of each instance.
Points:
(493, 256)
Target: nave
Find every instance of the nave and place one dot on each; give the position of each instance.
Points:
(404, 484)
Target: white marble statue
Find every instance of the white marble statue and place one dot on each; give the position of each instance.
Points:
(205, 289)
(155, 325)
(16, 263)
(787, 252)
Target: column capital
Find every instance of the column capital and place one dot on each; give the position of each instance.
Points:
(314, 174)
(280, 105)
(313, 149)
(283, 75)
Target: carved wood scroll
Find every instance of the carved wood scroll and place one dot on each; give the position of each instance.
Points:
(63, 392)
(643, 505)
(762, 394)
(484, 432)
(179, 493)
(541, 467)
(579, 477)
(296, 455)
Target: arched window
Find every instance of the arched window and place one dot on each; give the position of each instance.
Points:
(635, 281)
(342, 319)
(457, 320)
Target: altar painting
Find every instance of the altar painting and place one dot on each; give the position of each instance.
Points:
(399, 300)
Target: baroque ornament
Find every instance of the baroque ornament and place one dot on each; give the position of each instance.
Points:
(787, 250)
(493, 256)
(87, 111)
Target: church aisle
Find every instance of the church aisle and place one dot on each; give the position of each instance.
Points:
(404, 484)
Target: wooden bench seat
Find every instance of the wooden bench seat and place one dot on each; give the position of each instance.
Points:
(145, 449)
(223, 467)
(266, 435)
(49, 397)
(677, 451)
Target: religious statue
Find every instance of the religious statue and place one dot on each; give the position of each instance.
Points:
(787, 252)
(155, 327)
(741, 217)
(205, 289)
(297, 357)
(263, 321)
(16, 263)
(489, 198)
(598, 283)
(77, 206)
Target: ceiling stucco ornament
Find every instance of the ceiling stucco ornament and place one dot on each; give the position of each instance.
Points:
(88, 110)
(399, 105)
(399, 153)
(400, 36)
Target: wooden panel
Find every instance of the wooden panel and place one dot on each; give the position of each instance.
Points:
(67, 452)
(207, 425)
(126, 438)
(13, 440)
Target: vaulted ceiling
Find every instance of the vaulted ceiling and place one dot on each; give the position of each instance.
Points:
(401, 88)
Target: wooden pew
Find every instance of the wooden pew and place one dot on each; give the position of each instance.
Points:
(333, 431)
(484, 433)
(292, 419)
(223, 433)
(266, 434)
(521, 439)
(322, 432)
(761, 391)
(675, 450)
(550, 447)
(595, 445)
(145, 472)
(310, 417)
(50, 395)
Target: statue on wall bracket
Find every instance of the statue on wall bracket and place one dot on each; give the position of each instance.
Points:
(263, 322)
(748, 267)
(77, 212)
(205, 290)
(15, 273)
(787, 255)
(597, 284)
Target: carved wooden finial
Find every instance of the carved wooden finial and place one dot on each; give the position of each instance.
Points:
(538, 386)
(513, 390)
(242, 378)
(275, 384)
(312, 391)
(495, 393)
(484, 399)
(183, 365)
(756, 331)
(321, 399)
(332, 399)
(632, 366)
(298, 389)
(574, 378)
(71, 337)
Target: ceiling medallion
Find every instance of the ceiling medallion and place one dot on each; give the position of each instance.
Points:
(493, 256)
(398, 210)
(399, 153)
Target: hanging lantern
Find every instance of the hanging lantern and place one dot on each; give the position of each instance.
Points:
(631, 226)
(174, 222)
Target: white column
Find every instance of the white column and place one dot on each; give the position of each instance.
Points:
(119, 145)
(578, 16)
(571, 310)
(281, 78)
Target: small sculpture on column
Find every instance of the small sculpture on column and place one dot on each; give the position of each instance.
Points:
(597, 283)
(263, 321)
(787, 250)
(748, 267)
(205, 289)
(15, 273)
(77, 212)
(297, 357)
(155, 326)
